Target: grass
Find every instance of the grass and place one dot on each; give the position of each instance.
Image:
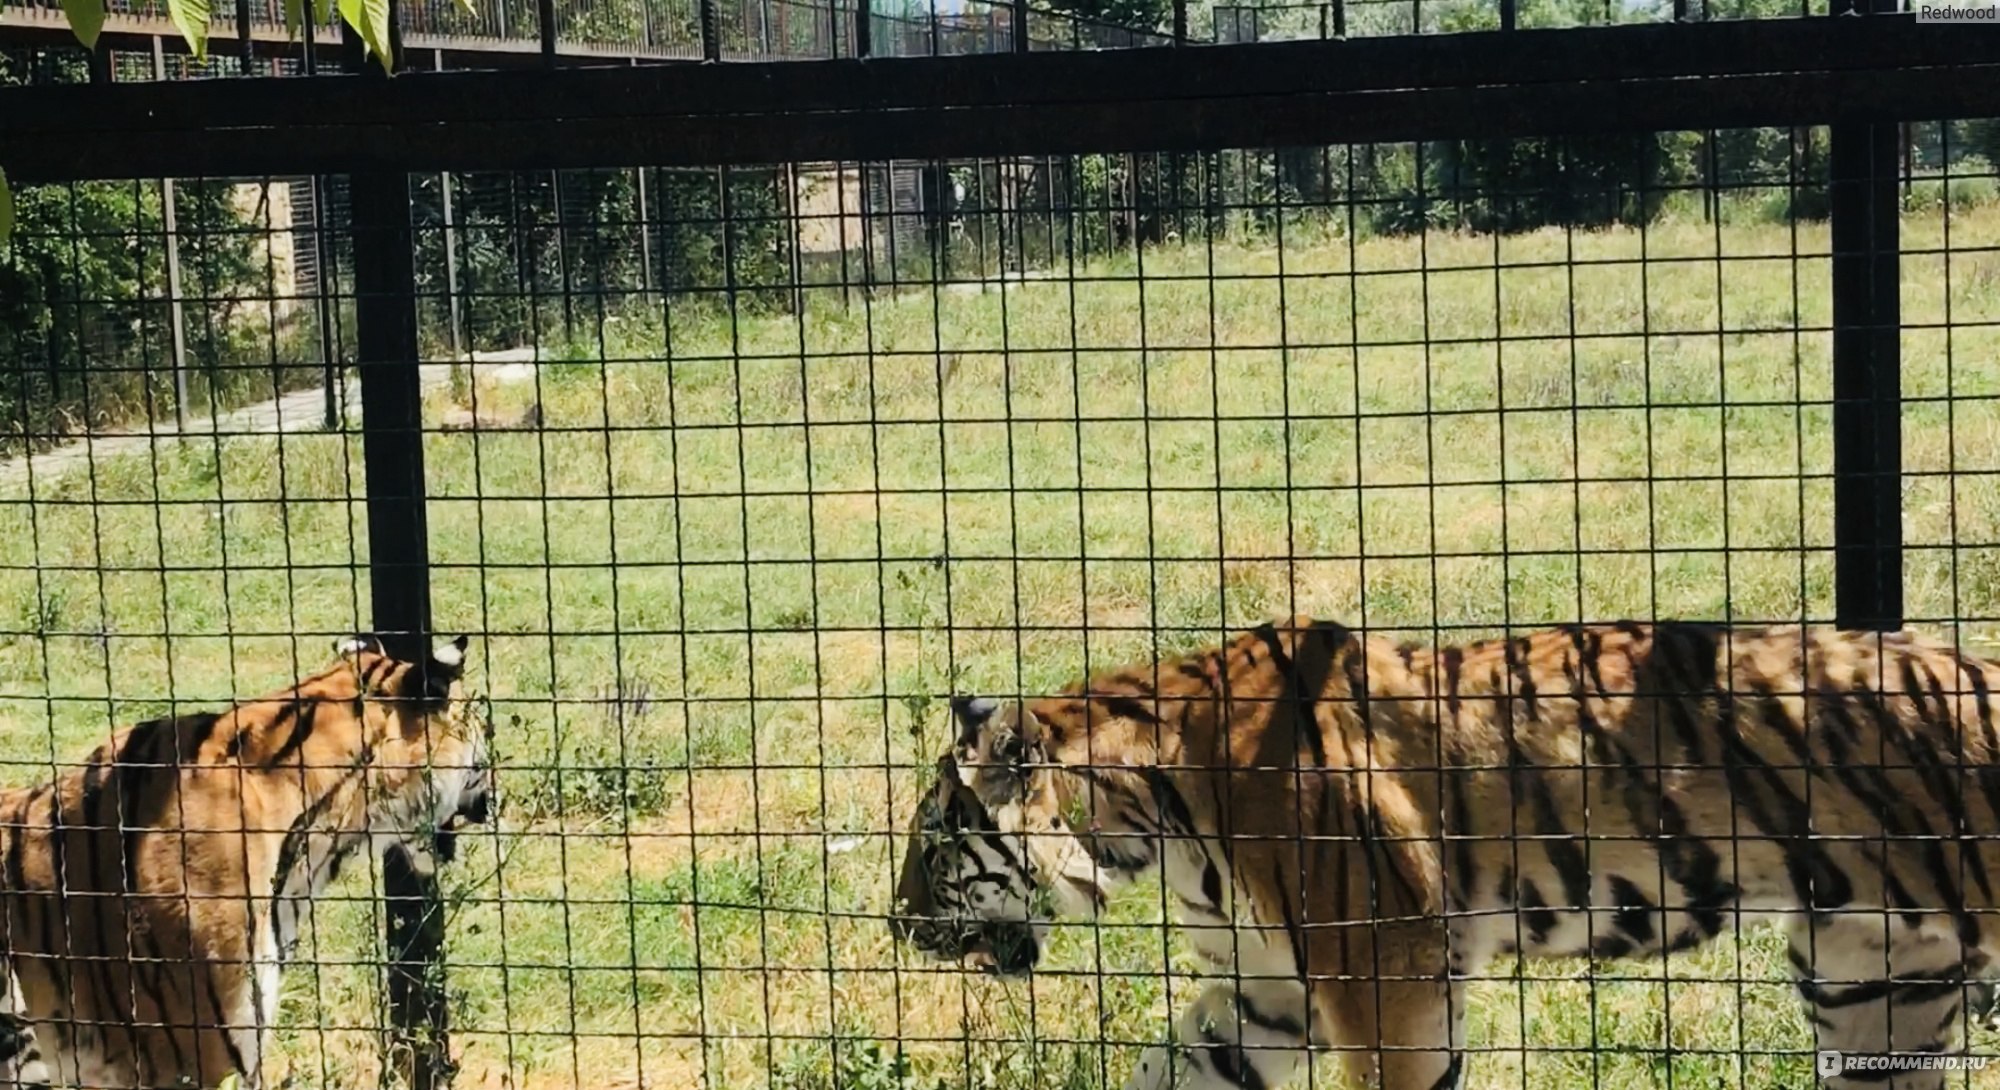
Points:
(717, 691)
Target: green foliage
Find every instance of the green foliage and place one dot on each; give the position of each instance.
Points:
(1404, 203)
(6, 210)
(1115, 15)
(1973, 184)
(1980, 138)
(298, 11)
(632, 20)
(724, 232)
(610, 769)
(854, 1065)
(86, 19)
(370, 19)
(1519, 185)
(532, 268)
(82, 303)
(191, 18)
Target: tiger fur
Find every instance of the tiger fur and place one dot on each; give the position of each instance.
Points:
(150, 894)
(1353, 827)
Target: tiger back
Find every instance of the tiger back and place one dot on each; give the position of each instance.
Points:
(1352, 828)
(153, 891)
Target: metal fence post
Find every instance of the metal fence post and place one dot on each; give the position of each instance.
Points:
(399, 576)
(246, 48)
(1867, 372)
(176, 320)
(711, 32)
(458, 348)
(325, 254)
(386, 354)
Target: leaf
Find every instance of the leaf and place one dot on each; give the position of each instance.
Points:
(232, 1082)
(86, 18)
(370, 19)
(6, 210)
(191, 18)
(350, 13)
(376, 33)
(297, 12)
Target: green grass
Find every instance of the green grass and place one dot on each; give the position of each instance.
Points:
(782, 598)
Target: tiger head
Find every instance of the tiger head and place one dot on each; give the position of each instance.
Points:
(992, 860)
(427, 754)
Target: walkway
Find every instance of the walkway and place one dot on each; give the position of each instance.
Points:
(301, 410)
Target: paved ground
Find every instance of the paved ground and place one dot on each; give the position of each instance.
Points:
(303, 410)
(300, 411)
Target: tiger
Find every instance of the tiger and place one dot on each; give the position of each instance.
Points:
(151, 894)
(1352, 827)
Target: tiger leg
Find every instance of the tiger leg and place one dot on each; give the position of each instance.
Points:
(1873, 985)
(1982, 1003)
(1247, 1033)
(21, 1063)
(1404, 1034)
(1398, 1016)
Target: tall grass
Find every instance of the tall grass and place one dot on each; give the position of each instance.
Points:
(720, 596)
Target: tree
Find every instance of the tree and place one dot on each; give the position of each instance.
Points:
(1105, 20)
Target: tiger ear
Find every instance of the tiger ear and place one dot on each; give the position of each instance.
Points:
(358, 645)
(448, 659)
(971, 713)
(999, 741)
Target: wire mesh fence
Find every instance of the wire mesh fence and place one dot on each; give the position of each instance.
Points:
(741, 479)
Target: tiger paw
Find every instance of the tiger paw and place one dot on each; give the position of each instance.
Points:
(1159, 1068)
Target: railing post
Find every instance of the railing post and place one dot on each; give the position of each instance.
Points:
(450, 267)
(176, 319)
(711, 32)
(246, 50)
(386, 352)
(325, 253)
(1867, 372)
(399, 576)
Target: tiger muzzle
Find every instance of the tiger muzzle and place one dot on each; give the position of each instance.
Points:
(475, 807)
(997, 947)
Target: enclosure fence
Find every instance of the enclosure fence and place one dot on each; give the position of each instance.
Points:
(745, 413)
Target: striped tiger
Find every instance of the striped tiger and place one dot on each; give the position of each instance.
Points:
(150, 895)
(1353, 827)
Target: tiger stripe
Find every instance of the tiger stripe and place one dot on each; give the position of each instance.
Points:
(146, 894)
(1667, 778)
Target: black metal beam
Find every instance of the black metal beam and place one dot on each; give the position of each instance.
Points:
(1530, 82)
(1496, 58)
(399, 578)
(387, 352)
(938, 131)
(1866, 218)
